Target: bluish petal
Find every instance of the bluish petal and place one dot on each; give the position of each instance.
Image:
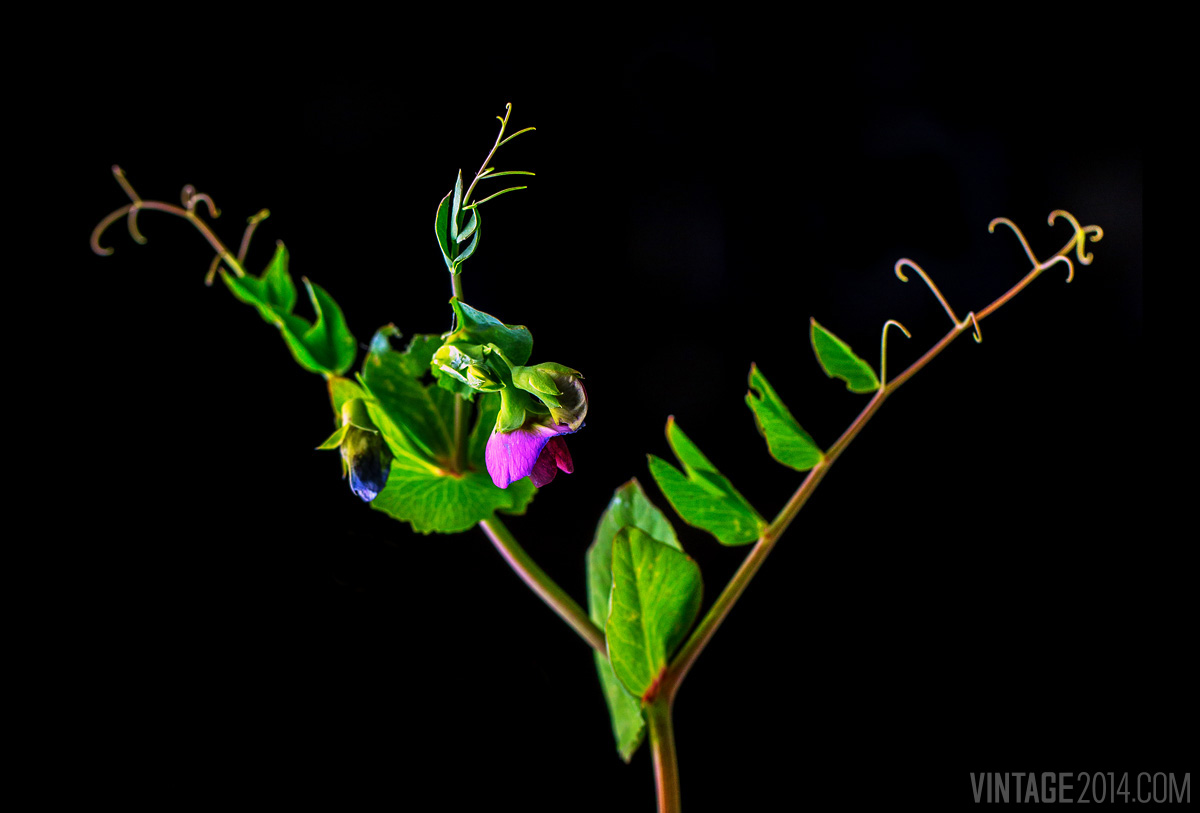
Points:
(368, 461)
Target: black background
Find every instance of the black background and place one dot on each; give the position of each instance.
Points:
(984, 582)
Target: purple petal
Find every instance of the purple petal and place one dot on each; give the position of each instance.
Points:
(513, 455)
(554, 456)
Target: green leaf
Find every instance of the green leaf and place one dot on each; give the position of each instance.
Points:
(415, 357)
(655, 599)
(272, 291)
(786, 439)
(629, 507)
(446, 503)
(475, 227)
(409, 406)
(702, 496)
(325, 346)
(514, 341)
(472, 224)
(278, 287)
(434, 500)
(335, 440)
(838, 360)
(456, 208)
(441, 227)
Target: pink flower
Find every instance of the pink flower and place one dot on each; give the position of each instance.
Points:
(534, 450)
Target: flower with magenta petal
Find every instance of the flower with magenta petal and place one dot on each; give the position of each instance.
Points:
(536, 448)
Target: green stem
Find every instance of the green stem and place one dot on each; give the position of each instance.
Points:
(662, 752)
(460, 417)
(716, 614)
(543, 585)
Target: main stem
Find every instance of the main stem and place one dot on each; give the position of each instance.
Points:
(662, 752)
(543, 585)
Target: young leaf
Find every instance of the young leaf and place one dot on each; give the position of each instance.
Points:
(441, 227)
(655, 598)
(469, 229)
(278, 287)
(701, 496)
(786, 439)
(629, 507)
(456, 208)
(335, 440)
(514, 341)
(324, 346)
(271, 292)
(838, 360)
(474, 227)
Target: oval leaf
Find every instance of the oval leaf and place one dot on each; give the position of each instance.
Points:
(655, 599)
(629, 506)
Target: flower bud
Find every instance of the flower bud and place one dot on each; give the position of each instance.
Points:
(365, 455)
(466, 363)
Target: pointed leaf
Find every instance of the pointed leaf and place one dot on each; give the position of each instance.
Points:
(702, 496)
(786, 439)
(278, 286)
(335, 440)
(655, 599)
(441, 227)
(514, 341)
(324, 346)
(271, 292)
(456, 208)
(476, 227)
(838, 360)
(629, 507)
(472, 224)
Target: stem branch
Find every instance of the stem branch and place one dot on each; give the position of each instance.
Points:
(543, 585)
(716, 614)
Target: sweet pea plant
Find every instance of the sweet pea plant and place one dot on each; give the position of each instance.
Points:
(458, 427)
